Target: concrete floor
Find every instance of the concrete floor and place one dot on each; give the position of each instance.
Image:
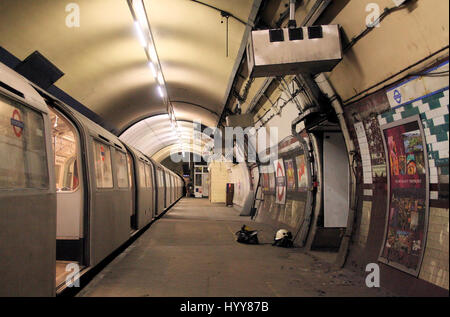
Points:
(192, 251)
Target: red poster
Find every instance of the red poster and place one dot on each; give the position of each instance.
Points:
(280, 192)
(407, 211)
(290, 174)
(265, 182)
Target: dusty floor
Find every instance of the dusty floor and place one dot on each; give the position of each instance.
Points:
(192, 251)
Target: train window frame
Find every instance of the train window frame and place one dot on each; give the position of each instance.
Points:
(108, 147)
(18, 124)
(77, 141)
(142, 182)
(149, 179)
(116, 165)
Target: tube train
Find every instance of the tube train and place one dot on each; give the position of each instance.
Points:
(70, 191)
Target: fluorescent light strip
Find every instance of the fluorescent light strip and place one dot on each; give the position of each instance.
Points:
(141, 24)
(160, 91)
(140, 34)
(140, 13)
(153, 68)
(161, 79)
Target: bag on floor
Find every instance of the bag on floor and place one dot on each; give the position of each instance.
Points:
(283, 238)
(247, 235)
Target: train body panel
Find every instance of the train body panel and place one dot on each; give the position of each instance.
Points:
(27, 191)
(145, 188)
(161, 189)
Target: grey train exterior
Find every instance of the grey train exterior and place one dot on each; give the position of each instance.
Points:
(27, 204)
(107, 189)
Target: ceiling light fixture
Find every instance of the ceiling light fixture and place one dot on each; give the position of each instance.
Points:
(140, 34)
(153, 68)
(160, 91)
(145, 36)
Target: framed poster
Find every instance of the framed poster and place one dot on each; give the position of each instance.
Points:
(290, 174)
(265, 180)
(271, 182)
(408, 195)
(280, 191)
(302, 177)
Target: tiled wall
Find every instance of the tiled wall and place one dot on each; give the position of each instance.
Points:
(434, 112)
(365, 124)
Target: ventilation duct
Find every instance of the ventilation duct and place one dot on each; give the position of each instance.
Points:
(290, 51)
(39, 70)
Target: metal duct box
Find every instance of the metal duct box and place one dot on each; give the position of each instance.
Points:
(279, 52)
(241, 120)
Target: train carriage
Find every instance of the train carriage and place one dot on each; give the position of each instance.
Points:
(71, 192)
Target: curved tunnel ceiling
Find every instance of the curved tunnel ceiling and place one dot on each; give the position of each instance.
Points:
(154, 135)
(106, 68)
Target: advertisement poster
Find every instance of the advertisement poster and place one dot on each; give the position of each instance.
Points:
(407, 210)
(271, 182)
(280, 191)
(290, 174)
(265, 180)
(301, 173)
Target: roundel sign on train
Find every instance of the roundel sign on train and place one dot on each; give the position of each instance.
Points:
(280, 182)
(17, 124)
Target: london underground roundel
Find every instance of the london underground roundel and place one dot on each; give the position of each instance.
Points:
(280, 176)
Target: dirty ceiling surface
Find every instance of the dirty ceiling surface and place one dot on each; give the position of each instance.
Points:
(106, 68)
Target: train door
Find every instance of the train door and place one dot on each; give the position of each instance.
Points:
(27, 199)
(167, 179)
(160, 191)
(134, 188)
(149, 193)
(173, 189)
(142, 185)
(69, 194)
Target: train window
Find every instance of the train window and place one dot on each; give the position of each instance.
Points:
(142, 182)
(23, 154)
(103, 172)
(64, 152)
(148, 176)
(122, 169)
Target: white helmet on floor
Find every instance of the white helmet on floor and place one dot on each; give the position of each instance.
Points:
(281, 234)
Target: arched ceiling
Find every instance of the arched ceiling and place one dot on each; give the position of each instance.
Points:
(106, 68)
(152, 135)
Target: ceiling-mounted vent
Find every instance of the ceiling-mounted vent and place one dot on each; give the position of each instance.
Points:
(39, 70)
(290, 51)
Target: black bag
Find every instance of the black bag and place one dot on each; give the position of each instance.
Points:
(247, 236)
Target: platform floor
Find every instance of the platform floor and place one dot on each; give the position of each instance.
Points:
(192, 251)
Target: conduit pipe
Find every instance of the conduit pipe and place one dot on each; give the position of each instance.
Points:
(326, 88)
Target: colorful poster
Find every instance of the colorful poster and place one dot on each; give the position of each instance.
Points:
(301, 173)
(290, 174)
(280, 191)
(406, 227)
(265, 180)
